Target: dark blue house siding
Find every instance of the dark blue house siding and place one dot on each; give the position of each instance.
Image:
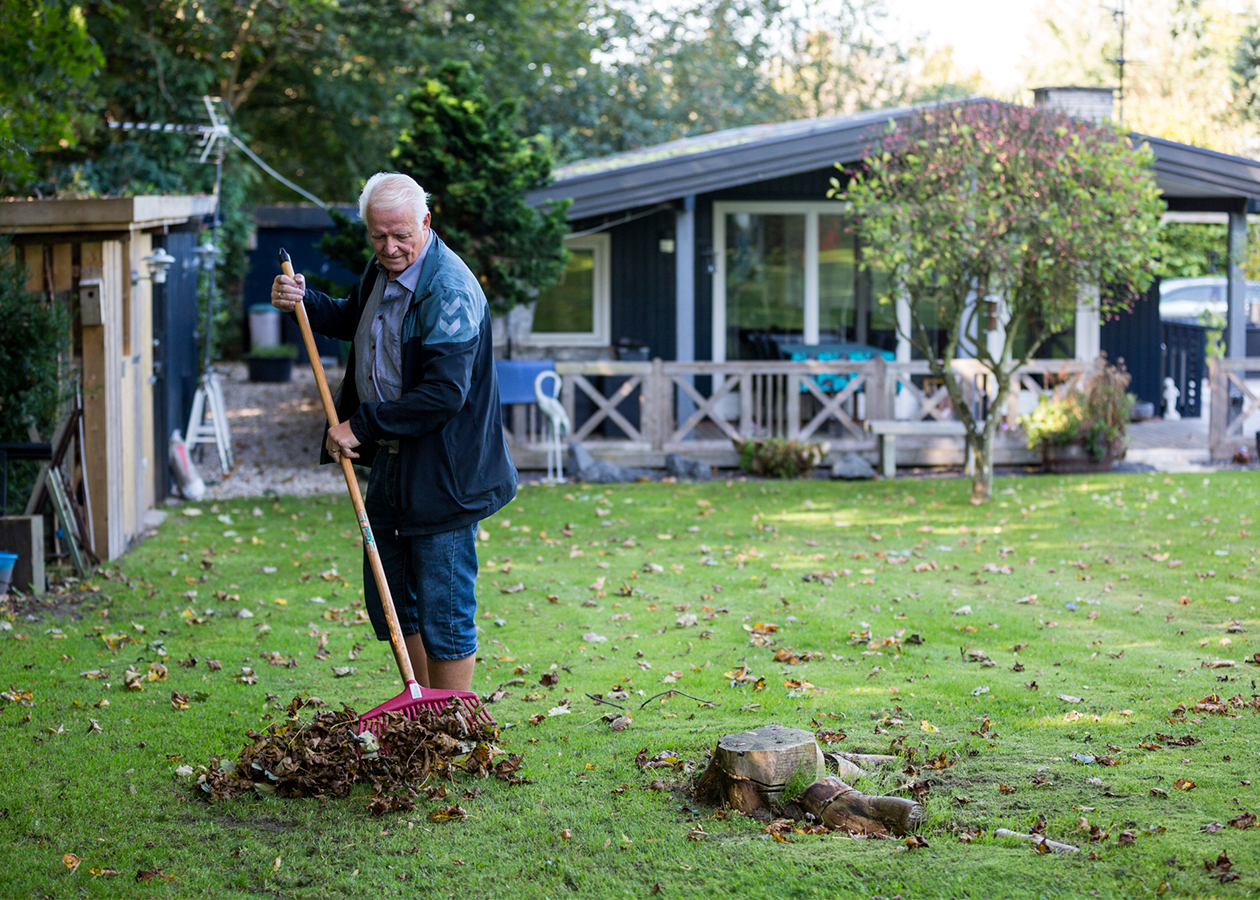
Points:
(642, 284)
(1135, 338)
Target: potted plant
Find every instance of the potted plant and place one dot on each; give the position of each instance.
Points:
(271, 364)
(1082, 429)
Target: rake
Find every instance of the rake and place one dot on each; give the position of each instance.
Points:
(414, 698)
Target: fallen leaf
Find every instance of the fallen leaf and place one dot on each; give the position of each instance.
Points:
(152, 874)
(71, 862)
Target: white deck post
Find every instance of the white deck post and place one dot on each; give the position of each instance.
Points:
(684, 302)
(1236, 289)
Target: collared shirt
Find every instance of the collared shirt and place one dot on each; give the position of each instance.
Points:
(378, 340)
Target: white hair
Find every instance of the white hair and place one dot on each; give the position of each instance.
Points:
(390, 190)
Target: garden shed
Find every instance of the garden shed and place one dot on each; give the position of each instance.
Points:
(135, 353)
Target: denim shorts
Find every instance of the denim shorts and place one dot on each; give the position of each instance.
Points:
(431, 576)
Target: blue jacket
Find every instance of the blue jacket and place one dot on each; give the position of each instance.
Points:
(456, 468)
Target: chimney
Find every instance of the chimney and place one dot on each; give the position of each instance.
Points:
(1092, 103)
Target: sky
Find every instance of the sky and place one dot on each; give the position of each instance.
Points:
(989, 35)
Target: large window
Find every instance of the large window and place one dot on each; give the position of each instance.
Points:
(789, 272)
(576, 311)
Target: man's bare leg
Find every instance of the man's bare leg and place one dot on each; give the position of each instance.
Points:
(452, 674)
(419, 659)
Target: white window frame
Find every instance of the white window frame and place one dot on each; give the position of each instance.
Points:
(811, 210)
(600, 244)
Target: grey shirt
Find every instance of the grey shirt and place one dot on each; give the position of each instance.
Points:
(378, 339)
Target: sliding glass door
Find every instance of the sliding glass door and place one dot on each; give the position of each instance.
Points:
(765, 280)
(788, 273)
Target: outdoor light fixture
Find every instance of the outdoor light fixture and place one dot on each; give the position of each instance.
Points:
(207, 253)
(158, 261)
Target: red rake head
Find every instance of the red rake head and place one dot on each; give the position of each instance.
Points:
(414, 698)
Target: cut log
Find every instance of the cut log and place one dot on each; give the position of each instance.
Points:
(835, 804)
(851, 767)
(1038, 839)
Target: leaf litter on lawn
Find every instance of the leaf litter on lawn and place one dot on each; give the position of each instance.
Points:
(327, 756)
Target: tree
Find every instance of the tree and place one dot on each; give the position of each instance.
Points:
(47, 58)
(1185, 57)
(462, 149)
(995, 219)
(668, 71)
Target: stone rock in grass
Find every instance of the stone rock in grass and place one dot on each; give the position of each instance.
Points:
(852, 467)
(586, 468)
(678, 466)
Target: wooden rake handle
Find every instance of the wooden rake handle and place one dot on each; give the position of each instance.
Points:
(352, 485)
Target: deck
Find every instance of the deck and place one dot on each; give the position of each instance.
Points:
(636, 413)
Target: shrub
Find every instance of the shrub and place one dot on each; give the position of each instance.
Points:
(280, 351)
(779, 458)
(1097, 414)
(33, 377)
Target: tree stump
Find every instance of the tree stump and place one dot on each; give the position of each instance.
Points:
(753, 770)
(750, 770)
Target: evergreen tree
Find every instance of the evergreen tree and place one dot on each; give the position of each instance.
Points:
(463, 150)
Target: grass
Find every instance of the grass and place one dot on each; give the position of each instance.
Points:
(1115, 623)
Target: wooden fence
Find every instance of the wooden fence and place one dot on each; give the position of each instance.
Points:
(636, 413)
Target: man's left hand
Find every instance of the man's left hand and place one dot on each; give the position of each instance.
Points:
(341, 442)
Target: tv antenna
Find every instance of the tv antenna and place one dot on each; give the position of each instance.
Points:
(213, 138)
(1117, 16)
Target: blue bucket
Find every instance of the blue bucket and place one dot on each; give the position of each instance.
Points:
(7, 562)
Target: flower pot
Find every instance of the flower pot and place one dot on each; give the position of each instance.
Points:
(1074, 458)
(270, 368)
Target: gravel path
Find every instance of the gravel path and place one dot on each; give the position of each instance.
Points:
(276, 430)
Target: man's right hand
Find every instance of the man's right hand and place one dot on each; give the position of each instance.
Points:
(286, 292)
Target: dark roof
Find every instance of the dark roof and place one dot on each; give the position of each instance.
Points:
(300, 216)
(754, 153)
(1183, 170)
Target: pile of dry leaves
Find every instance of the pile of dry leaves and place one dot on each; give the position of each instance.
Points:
(327, 757)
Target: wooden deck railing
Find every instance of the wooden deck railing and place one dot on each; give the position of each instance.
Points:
(637, 412)
(1233, 401)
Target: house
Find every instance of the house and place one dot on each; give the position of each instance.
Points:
(698, 247)
(133, 338)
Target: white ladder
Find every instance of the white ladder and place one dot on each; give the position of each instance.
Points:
(209, 399)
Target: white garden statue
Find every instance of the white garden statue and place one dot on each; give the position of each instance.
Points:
(557, 425)
(1171, 395)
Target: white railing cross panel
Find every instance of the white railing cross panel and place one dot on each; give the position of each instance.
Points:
(832, 406)
(705, 407)
(607, 407)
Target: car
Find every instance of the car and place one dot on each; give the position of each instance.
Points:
(1187, 299)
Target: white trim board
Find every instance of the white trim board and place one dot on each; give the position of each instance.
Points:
(600, 335)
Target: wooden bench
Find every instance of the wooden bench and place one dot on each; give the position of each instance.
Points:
(886, 430)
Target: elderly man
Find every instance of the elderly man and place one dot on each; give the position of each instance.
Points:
(420, 404)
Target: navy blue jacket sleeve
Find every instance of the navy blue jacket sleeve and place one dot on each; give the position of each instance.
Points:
(448, 327)
(334, 318)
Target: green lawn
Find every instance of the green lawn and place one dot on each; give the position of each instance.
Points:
(1129, 583)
